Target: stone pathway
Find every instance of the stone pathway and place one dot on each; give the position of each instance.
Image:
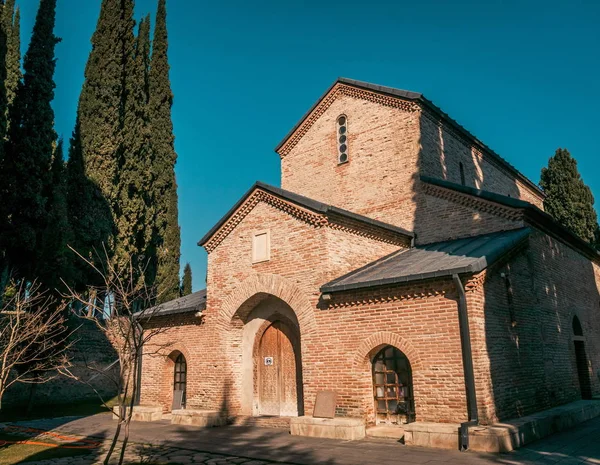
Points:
(161, 442)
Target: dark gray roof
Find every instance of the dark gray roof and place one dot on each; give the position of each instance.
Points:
(534, 215)
(194, 302)
(415, 96)
(307, 203)
(468, 255)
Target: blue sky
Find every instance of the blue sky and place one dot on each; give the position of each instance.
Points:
(521, 75)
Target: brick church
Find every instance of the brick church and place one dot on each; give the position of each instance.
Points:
(402, 264)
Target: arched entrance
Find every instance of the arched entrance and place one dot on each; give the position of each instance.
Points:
(392, 387)
(581, 360)
(278, 373)
(179, 382)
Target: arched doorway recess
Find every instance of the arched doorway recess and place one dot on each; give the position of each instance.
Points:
(278, 372)
(392, 387)
(179, 382)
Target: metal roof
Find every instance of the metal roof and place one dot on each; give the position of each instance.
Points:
(414, 96)
(467, 255)
(194, 302)
(305, 202)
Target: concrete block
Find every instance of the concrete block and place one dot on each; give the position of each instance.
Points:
(331, 428)
(203, 418)
(141, 413)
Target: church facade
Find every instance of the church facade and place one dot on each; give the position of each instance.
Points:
(402, 264)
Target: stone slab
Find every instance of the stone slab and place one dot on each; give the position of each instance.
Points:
(142, 413)
(204, 418)
(325, 404)
(349, 429)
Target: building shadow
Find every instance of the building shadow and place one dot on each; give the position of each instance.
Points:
(526, 355)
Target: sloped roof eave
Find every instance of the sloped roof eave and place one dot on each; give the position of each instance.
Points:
(304, 202)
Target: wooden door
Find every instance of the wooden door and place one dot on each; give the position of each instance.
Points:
(278, 392)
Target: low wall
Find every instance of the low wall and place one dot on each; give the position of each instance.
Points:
(91, 348)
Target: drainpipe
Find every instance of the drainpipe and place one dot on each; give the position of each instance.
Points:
(467, 358)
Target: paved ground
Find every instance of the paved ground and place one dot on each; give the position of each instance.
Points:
(163, 442)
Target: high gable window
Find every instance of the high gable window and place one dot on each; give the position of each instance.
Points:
(342, 135)
(261, 247)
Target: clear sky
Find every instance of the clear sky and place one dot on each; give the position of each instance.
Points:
(522, 76)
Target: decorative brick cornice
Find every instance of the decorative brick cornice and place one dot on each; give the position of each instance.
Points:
(485, 206)
(317, 220)
(350, 91)
(476, 281)
(389, 294)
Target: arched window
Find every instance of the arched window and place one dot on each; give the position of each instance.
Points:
(577, 329)
(342, 135)
(180, 379)
(392, 385)
(462, 173)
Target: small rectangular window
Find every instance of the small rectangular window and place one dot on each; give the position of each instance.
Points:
(261, 247)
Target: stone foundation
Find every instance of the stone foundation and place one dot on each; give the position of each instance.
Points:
(331, 428)
(198, 417)
(503, 437)
(142, 413)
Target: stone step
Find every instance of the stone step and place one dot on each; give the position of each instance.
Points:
(386, 432)
(262, 421)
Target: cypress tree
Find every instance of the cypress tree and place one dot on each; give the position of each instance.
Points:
(30, 146)
(54, 264)
(4, 236)
(11, 23)
(186, 285)
(90, 219)
(166, 242)
(134, 217)
(568, 199)
(102, 100)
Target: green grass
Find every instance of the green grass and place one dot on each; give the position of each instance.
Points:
(23, 453)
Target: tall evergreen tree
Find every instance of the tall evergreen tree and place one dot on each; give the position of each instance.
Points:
(90, 219)
(53, 265)
(102, 101)
(186, 284)
(30, 146)
(11, 23)
(4, 219)
(568, 199)
(167, 241)
(133, 210)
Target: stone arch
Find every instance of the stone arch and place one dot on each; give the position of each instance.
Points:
(363, 368)
(255, 288)
(233, 322)
(389, 339)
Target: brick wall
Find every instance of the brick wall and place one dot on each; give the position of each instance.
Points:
(379, 177)
(524, 352)
(442, 151)
(389, 147)
(303, 257)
